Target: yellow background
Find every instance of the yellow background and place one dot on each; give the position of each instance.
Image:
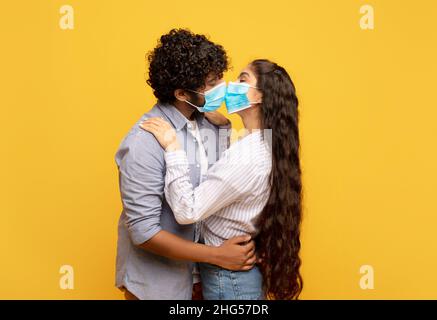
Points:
(368, 126)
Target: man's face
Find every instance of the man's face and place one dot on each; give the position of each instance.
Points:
(210, 82)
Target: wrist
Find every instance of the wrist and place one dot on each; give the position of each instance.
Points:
(214, 255)
(227, 124)
(174, 146)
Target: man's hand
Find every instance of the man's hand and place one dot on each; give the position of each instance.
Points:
(237, 254)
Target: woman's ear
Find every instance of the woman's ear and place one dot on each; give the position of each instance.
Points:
(258, 97)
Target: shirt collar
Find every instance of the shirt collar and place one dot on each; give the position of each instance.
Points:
(177, 118)
(200, 117)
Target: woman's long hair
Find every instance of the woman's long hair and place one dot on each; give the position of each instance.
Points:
(278, 241)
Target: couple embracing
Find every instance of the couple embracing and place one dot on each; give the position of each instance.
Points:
(203, 218)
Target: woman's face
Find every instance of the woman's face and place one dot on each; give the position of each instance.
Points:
(247, 76)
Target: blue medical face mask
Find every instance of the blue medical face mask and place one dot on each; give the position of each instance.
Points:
(236, 97)
(214, 98)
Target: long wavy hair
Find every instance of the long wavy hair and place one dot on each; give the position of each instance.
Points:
(278, 242)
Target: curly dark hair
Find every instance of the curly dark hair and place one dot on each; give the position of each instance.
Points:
(183, 60)
(278, 241)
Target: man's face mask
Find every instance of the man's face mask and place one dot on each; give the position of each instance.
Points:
(236, 97)
(214, 98)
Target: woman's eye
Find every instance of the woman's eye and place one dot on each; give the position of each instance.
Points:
(241, 80)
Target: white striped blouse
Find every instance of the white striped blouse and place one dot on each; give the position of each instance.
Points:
(233, 194)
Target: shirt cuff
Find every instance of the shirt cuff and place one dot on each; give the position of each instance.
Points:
(176, 158)
(226, 126)
(142, 232)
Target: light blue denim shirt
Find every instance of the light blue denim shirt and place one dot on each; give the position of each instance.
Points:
(141, 165)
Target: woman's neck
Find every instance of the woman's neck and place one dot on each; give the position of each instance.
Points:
(251, 121)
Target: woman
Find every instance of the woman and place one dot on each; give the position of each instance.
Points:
(254, 188)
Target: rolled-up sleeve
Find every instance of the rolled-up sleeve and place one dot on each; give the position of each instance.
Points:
(141, 178)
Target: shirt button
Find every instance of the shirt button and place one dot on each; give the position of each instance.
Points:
(197, 165)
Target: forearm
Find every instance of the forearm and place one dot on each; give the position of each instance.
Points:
(171, 246)
(178, 189)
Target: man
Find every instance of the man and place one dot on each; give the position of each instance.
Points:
(155, 255)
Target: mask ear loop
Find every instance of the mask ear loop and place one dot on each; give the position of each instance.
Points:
(200, 109)
(196, 92)
(255, 102)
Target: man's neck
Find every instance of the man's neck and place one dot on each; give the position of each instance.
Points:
(185, 109)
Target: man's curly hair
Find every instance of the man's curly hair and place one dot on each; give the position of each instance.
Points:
(183, 60)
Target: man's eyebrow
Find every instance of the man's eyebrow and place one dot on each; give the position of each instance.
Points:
(212, 80)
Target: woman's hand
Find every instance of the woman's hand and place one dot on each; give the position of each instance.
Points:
(217, 118)
(163, 132)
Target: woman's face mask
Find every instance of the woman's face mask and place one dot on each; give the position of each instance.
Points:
(236, 97)
(214, 98)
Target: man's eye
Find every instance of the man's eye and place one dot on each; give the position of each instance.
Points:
(241, 80)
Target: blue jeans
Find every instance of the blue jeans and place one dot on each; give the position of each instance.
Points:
(221, 284)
